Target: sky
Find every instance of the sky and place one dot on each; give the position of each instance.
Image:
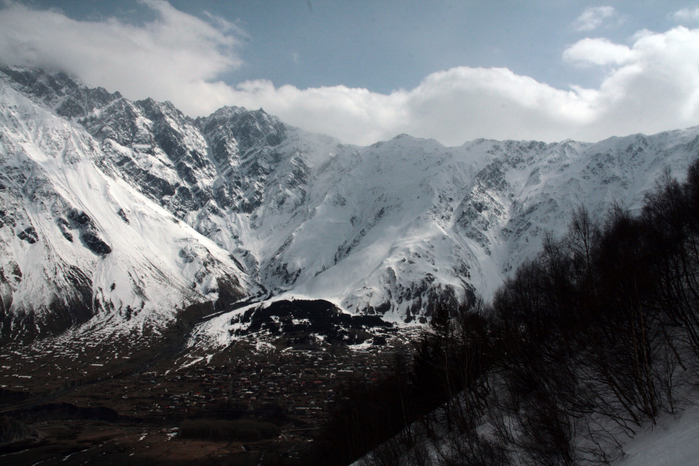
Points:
(368, 70)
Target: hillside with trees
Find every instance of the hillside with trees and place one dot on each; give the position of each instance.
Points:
(587, 344)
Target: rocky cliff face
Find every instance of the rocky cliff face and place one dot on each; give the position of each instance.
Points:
(78, 243)
(129, 211)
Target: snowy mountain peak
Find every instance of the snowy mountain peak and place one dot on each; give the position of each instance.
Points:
(125, 213)
(66, 95)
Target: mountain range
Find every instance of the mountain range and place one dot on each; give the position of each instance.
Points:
(121, 215)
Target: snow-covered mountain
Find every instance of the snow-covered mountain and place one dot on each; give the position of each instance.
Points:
(125, 213)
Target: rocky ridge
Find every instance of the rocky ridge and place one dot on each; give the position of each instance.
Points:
(113, 209)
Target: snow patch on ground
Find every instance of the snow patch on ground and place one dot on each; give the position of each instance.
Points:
(672, 442)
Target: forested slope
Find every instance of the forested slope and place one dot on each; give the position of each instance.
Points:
(589, 343)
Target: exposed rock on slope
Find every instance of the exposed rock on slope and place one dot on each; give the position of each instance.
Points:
(128, 211)
(79, 244)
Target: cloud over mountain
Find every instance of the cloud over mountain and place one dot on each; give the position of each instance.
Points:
(174, 54)
(650, 84)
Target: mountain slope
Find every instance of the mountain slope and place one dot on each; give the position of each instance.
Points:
(165, 211)
(78, 244)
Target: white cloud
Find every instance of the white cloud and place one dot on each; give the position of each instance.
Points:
(593, 18)
(651, 85)
(451, 106)
(686, 15)
(598, 52)
(671, 73)
(158, 59)
(656, 88)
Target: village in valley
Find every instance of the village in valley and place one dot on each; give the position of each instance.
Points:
(87, 398)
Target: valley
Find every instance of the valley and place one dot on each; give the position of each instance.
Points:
(97, 404)
(176, 291)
